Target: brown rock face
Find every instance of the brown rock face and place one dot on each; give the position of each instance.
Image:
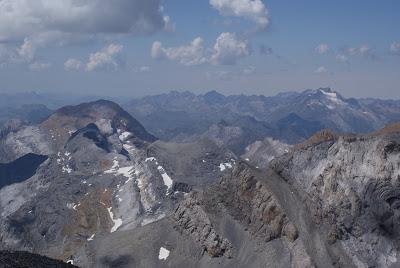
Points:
(253, 204)
(191, 219)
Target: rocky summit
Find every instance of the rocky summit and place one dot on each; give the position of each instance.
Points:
(89, 186)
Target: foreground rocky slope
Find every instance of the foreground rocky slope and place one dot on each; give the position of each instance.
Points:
(20, 259)
(350, 185)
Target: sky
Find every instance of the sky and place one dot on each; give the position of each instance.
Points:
(145, 47)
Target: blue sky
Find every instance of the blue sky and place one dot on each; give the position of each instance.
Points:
(140, 47)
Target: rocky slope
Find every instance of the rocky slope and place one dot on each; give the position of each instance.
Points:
(20, 259)
(109, 195)
(351, 185)
(260, 153)
(101, 176)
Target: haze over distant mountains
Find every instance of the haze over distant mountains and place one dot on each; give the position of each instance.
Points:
(236, 120)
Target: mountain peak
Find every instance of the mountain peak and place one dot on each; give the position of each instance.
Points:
(106, 114)
(214, 97)
(326, 90)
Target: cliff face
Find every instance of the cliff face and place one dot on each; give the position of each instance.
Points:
(242, 204)
(351, 187)
(331, 202)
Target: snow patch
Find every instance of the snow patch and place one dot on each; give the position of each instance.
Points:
(150, 159)
(66, 169)
(127, 172)
(128, 147)
(333, 97)
(224, 166)
(114, 167)
(117, 222)
(125, 135)
(91, 238)
(163, 254)
(167, 179)
(221, 167)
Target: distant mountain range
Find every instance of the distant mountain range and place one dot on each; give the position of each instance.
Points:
(240, 120)
(236, 121)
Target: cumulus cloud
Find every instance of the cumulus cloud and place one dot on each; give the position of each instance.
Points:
(73, 65)
(32, 25)
(22, 18)
(227, 50)
(192, 54)
(253, 10)
(322, 49)
(321, 70)
(107, 58)
(395, 48)
(363, 51)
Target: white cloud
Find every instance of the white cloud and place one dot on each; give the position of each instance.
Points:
(227, 50)
(27, 50)
(192, 54)
(253, 10)
(39, 66)
(29, 25)
(322, 49)
(169, 25)
(363, 51)
(23, 18)
(107, 58)
(321, 70)
(73, 65)
(342, 58)
(395, 48)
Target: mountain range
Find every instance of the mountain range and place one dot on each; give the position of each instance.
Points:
(235, 181)
(291, 117)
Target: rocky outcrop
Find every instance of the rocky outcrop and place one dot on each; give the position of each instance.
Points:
(254, 205)
(260, 153)
(192, 220)
(351, 187)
